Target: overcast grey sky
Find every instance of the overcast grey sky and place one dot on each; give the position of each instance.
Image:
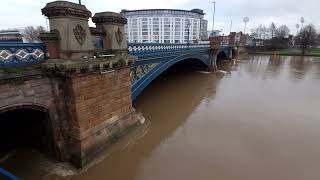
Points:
(20, 13)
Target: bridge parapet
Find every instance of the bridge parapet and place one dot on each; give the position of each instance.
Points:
(144, 49)
(18, 54)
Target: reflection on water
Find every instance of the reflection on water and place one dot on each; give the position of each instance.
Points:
(256, 118)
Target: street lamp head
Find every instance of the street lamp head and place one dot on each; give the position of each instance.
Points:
(246, 19)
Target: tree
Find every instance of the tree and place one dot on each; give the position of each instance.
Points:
(318, 40)
(259, 32)
(32, 33)
(307, 37)
(264, 32)
(282, 32)
(272, 29)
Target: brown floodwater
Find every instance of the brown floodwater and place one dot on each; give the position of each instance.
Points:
(257, 118)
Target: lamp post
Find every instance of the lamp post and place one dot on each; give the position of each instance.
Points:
(80, 2)
(297, 26)
(214, 13)
(188, 26)
(302, 21)
(245, 20)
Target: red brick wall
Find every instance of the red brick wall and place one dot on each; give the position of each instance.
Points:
(103, 108)
(36, 93)
(86, 110)
(52, 48)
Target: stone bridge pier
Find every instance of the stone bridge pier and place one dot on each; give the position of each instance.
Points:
(73, 105)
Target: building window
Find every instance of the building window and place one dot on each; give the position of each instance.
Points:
(164, 25)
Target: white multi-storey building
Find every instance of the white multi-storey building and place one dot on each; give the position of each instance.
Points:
(203, 29)
(163, 25)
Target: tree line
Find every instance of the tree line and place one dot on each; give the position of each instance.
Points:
(280, 38)
(30, 33)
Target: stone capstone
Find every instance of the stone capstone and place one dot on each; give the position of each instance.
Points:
(64, 8)
(109, 18)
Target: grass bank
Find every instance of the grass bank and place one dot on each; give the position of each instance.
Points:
(291, 52)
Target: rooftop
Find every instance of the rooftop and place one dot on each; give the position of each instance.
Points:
(198, 11)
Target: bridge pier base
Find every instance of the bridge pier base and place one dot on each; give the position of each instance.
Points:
(212, 61)
(230, 54)
(97, 102)
(102, 111)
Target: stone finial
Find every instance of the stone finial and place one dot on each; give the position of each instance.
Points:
(65, 8)
(114, 39)
(109, 18)
(70, 21)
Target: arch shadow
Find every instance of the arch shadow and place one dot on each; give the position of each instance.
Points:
(26, 126)
(222, 56)
(234, 53)
(142, 83)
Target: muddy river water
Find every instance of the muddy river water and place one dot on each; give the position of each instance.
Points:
(256, 118)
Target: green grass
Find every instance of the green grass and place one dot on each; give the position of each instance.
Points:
(289, 51)
(294, 51)
(313, 51)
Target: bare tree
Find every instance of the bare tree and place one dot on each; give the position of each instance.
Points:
(318, 40)
(259, 32)
(272, 29)
(254, 33)
(264, 32)
(307, 37)
(32, 33)
(282, 31)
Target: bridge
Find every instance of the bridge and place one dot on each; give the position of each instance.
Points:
(153, 59)
(80, 98)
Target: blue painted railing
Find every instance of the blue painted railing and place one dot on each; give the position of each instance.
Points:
(145, 49)
(18, 54)
(5, 175)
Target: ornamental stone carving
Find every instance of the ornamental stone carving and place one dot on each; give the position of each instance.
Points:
(119, 36)
(80, 34)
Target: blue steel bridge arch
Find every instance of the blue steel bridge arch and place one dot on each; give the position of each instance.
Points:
(157, 66)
